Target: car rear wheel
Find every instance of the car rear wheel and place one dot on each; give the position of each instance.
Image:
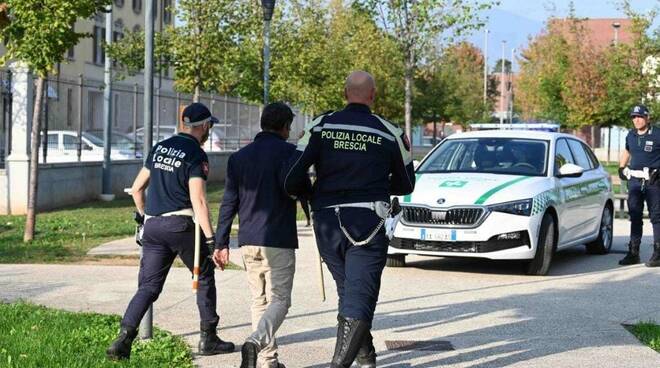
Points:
(545, 248)
(603, 243)
(396, 260)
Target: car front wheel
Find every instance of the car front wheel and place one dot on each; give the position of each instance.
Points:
(396, 260)
(545, 248)
(603, 243)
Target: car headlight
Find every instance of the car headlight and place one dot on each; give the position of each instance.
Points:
(522, 208)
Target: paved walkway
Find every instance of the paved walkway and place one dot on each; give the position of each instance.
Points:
(490, 314)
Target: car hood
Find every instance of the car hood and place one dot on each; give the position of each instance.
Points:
(456, 189)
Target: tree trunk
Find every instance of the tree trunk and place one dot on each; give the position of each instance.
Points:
(408, 75)
(196, 94)
(30, 220)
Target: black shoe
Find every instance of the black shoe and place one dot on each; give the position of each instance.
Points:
(366, 356)
(249, 354)
(632, 257)
(121, 347)
(210, 343)
(350, 334)
(655, 258)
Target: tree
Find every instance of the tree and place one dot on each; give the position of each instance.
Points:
(416, 25)
(451, 87)
(625, 81)
(498, 66)
(205, 47)
(38, 34)
(543, 68)
(317, 45)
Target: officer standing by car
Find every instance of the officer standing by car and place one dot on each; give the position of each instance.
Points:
(640, 166)
(360, 160)
(175, 174)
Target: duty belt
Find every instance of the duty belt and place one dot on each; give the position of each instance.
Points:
(382, 209)
(184, 212)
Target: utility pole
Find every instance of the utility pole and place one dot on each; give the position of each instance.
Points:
(106, 190)
(267, 6)
(486, 31)
(616, 26)
(502, 91)
(513, 51)
(146, 325)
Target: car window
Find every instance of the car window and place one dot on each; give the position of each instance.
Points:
(563, 155)
(592, 157)
(510, 156)
(52, 141)
(70, 142)
(581, 158)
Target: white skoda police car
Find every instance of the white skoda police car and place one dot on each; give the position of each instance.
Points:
(514, 195)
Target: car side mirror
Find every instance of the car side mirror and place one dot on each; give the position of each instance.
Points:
(570, 171)
(415, 164)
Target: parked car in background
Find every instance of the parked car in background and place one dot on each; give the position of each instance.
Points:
(62, 146)
(214, 143)
(506, 195)
(119, 141)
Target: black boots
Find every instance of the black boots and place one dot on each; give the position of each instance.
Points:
(121, 347)
(655, 258)
(249, 355)
(366, 357)
(632, 257)
(350, 335)
(210, 343)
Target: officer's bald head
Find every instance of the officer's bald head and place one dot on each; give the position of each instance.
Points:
(360, 88)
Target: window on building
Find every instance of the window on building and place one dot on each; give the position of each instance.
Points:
(69, 107)
(137, 6)
(167, 11)
(119, 3)
(98, 52)
(71, 52)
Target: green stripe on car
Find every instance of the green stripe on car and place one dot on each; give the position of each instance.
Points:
(484, 197)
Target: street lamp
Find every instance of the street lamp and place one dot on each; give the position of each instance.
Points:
(486, 65)
(268, 6)
(503, 92)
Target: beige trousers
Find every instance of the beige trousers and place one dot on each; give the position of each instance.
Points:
(270, 276)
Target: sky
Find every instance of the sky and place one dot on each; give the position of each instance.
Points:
(515, 20)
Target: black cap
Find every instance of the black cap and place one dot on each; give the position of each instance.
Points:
(197, 114)
(639, 110)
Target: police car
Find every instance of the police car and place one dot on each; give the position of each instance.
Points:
(506, 195)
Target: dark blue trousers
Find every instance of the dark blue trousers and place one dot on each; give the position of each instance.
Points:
(355, 269)
(164, 238)
(636, 197)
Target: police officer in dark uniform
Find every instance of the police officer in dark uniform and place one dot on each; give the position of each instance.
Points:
(640, 165)
(175, 174)
(360, 160)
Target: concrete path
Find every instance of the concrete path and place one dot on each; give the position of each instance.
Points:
(490, 314)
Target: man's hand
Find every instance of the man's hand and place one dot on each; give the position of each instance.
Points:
(624, 173)
(221, 257)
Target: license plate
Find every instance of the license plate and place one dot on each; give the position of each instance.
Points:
(437, 234)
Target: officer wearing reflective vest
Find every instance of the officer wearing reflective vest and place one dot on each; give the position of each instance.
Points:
(360, 160)
(175, 175)
(640, 166)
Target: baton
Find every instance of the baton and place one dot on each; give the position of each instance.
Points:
(195, 282)
(321, 280)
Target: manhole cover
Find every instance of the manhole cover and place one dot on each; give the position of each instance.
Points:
(419, 345)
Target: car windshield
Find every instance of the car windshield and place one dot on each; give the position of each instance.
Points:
(509, 156)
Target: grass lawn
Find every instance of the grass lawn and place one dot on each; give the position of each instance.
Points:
(648, 333)
(35, 336)
(67, 234)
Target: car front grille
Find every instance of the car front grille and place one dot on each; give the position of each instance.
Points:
(492, 245)
(455, 216)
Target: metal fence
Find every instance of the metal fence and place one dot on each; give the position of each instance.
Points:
(72, 127)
